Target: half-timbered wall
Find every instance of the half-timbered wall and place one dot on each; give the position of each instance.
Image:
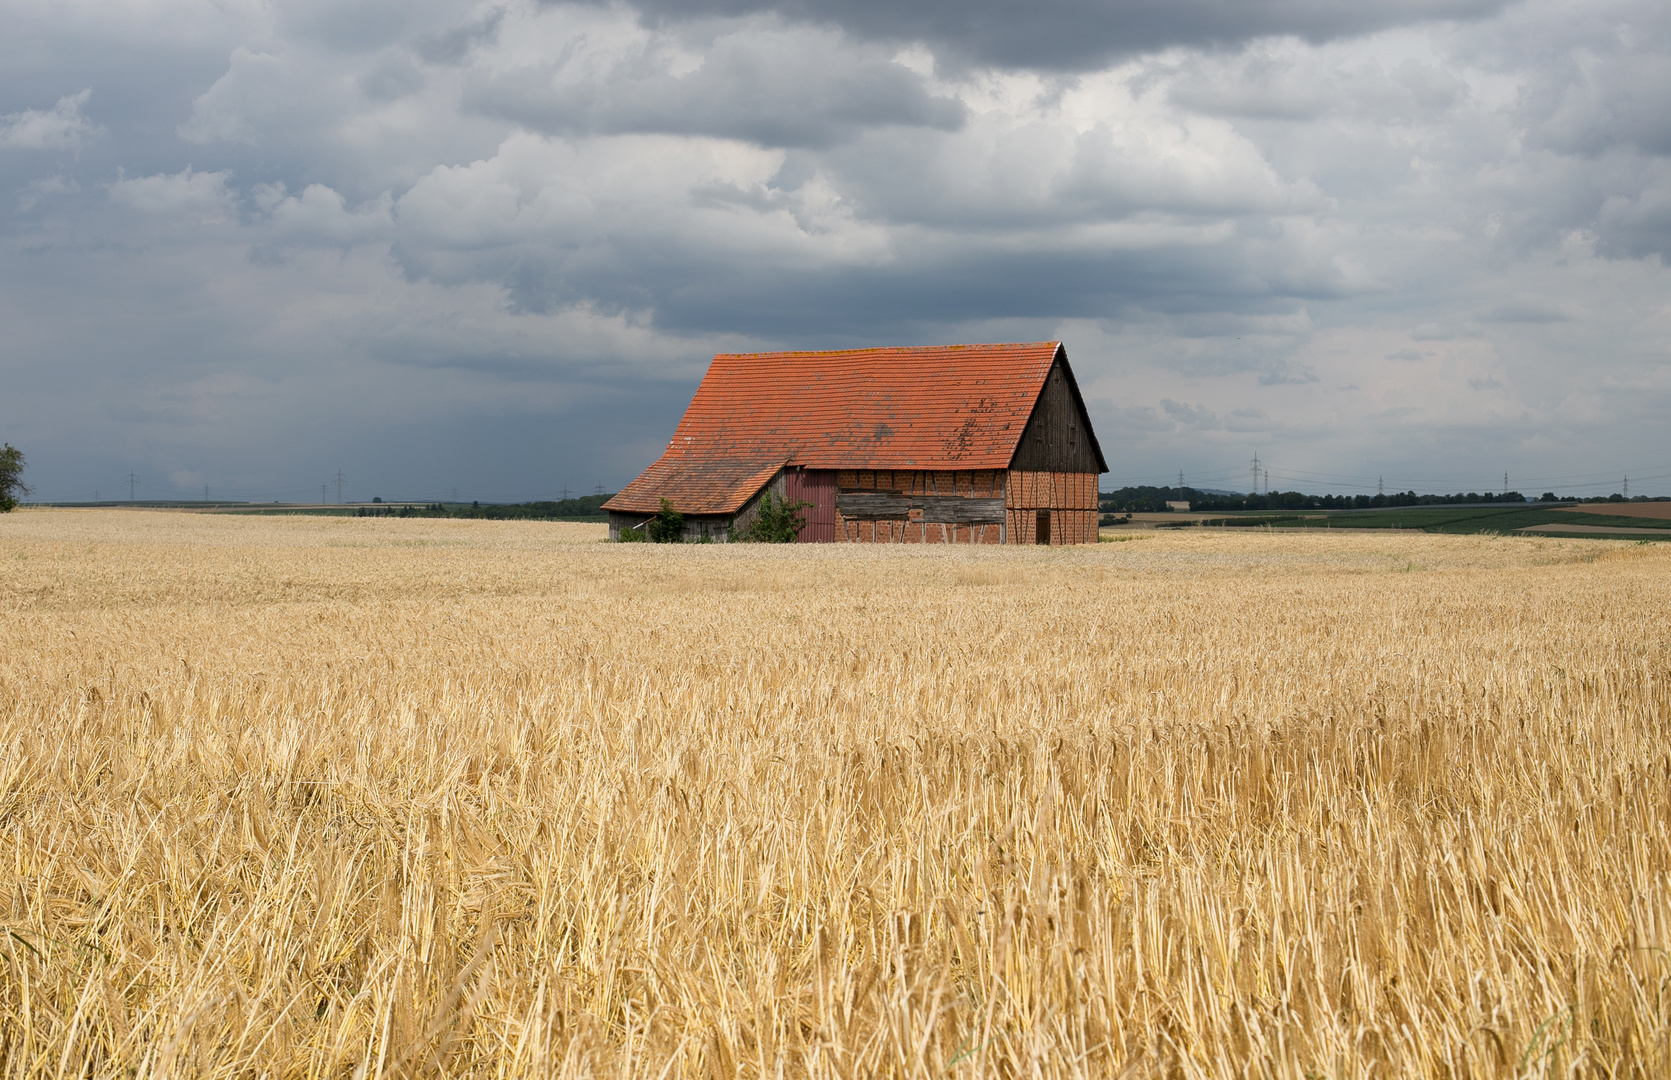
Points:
(987, 506)
(1070, 499)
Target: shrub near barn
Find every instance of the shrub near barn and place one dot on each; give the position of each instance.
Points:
(778, 521)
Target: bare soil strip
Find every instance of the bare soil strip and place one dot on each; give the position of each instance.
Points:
(1658, 510)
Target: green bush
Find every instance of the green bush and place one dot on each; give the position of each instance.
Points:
(777, 521)
(668, 526)
(11, 477)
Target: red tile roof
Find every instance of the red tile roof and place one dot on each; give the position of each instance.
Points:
(951, 407)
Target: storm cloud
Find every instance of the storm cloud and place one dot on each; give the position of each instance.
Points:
(1077, 35)
(491, 246)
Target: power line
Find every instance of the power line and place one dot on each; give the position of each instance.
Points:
(1579, 484)
(1566, 480)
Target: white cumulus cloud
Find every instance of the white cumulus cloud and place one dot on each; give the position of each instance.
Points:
(62, 127)
(166, 193)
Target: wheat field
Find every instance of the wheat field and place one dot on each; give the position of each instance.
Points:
(313, 797)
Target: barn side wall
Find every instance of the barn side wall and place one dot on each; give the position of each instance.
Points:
(1070, 498)
(929, 506)
(920, 506)
(714, 527)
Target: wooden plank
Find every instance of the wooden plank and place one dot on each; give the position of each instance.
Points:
(872, 505)
(952, 509)
(936, 509)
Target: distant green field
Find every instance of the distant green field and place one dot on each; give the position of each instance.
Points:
(1445, 519)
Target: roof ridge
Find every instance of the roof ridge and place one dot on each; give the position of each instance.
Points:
(892, 349)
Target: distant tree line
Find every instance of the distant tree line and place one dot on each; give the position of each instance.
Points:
(1153, 500)
(584, 508)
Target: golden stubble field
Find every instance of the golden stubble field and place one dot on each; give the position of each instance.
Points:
(338, 797)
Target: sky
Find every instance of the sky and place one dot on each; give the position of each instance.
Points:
(487, 250)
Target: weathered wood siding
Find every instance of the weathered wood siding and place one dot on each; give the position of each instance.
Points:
(745, 517)
(920, 506)
(714, 527)
(1058, 434)
(1069, 497)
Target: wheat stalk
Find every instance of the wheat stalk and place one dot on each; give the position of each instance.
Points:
(341, 797)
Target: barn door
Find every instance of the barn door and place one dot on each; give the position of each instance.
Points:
(817, 487)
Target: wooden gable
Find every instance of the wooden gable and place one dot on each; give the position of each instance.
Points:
(1058, 435)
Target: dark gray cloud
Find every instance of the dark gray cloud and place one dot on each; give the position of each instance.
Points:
(1598, 86)
(1077, 35)
(769, 88)
(453, 46)
(1637, 226)
(1527, 309)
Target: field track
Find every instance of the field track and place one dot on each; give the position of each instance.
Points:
(1599, 530)
(336, 797)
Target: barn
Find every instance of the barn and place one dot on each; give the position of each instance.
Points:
(967, 444)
